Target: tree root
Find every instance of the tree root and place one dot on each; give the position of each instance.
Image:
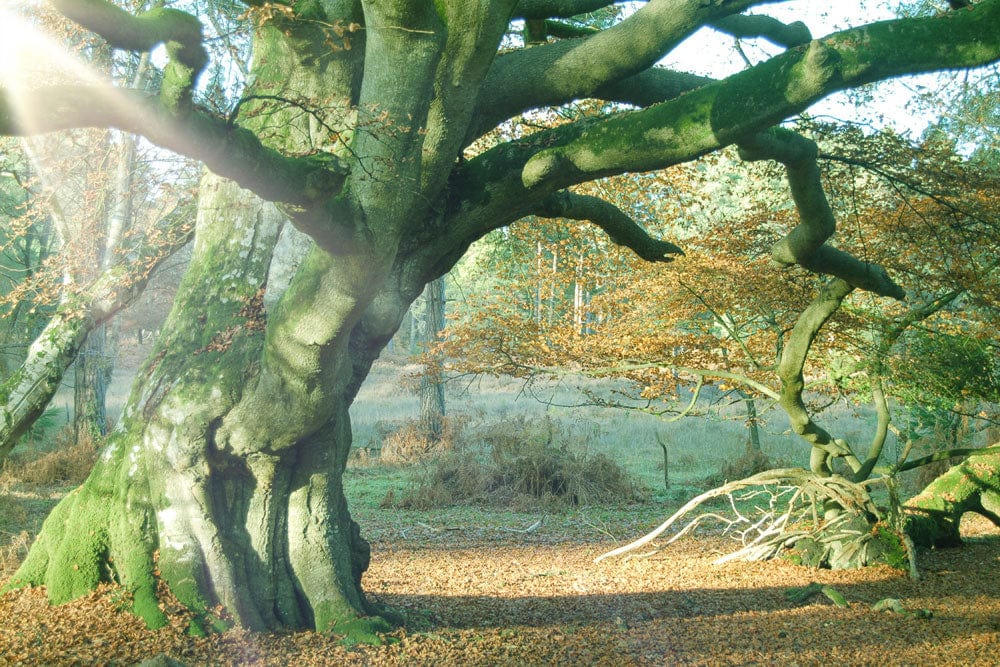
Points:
(803, 593)
(780, 512)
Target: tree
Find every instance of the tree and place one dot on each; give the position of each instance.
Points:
(27, 241)
(105, 243)
(723, 314)
(223, 478)
(432, 407)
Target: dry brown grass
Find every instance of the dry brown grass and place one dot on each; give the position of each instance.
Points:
(523, 464)
(67, 464)
(410, 442)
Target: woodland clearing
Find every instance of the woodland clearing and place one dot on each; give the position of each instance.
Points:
(478, 588)
(478, 594)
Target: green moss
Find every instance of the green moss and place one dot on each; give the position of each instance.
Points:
(146, 606)
(887, 547)
(361, 630)
(441, 7)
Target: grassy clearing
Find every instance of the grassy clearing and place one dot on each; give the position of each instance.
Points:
(526, 424)
(699, 448)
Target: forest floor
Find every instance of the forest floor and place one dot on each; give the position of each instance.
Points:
(477, 592)
(478, 588)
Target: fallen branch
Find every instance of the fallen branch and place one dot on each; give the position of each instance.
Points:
(793, 494)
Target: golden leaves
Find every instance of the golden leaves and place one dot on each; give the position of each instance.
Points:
(486, 597)
(336, 35)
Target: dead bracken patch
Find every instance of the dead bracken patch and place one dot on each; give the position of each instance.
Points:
(476, 595)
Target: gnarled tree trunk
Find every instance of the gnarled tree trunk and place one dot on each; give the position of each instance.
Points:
(225, 474)
(934, 515)
(223, 478)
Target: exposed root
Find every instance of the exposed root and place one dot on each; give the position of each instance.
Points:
(776, 510)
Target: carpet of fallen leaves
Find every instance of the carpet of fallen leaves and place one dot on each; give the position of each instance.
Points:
(479, 596)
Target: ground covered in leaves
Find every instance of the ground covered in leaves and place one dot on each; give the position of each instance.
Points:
(478, 592)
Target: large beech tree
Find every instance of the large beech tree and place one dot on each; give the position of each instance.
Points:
(223, 478)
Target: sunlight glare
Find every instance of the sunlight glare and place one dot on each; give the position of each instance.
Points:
(31, 58)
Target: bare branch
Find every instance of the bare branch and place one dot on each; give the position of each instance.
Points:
(804, 245)
(768, 533)
(619, 226)
(944, 455)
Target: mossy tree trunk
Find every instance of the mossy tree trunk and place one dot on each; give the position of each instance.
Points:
(223, 479)
(935, 514)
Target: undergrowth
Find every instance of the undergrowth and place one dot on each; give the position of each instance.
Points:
(521, 464)
(67, 463)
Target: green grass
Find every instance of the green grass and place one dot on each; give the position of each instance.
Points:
(698, 446)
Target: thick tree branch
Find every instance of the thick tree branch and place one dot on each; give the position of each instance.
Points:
(307, 182)
(790, 367)
(560, 72)
(748, 26)
(619, 226)
(804, 245)
(179, 31)
(760, 97)
(651, 86)
(567, 30)
(557, 9)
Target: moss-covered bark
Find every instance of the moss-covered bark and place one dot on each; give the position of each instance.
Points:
(934, 515)
(223, 479)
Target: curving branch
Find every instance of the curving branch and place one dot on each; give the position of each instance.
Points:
(748, 26)
(618, 225)
(805, 244)
(179, 31)
(741, 105)
(790, 367)
(559, 72)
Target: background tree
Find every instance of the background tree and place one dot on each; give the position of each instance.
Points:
(356, 122)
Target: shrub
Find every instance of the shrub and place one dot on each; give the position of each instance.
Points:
(410, 442)
(517, 464)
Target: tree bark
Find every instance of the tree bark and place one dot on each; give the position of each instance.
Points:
(432, 407)
(90, 382)
(935, 513)
(226, 509)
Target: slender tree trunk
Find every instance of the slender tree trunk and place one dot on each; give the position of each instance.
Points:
(538, 284)
(753, 427)
(90, 388)
(432, 408)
